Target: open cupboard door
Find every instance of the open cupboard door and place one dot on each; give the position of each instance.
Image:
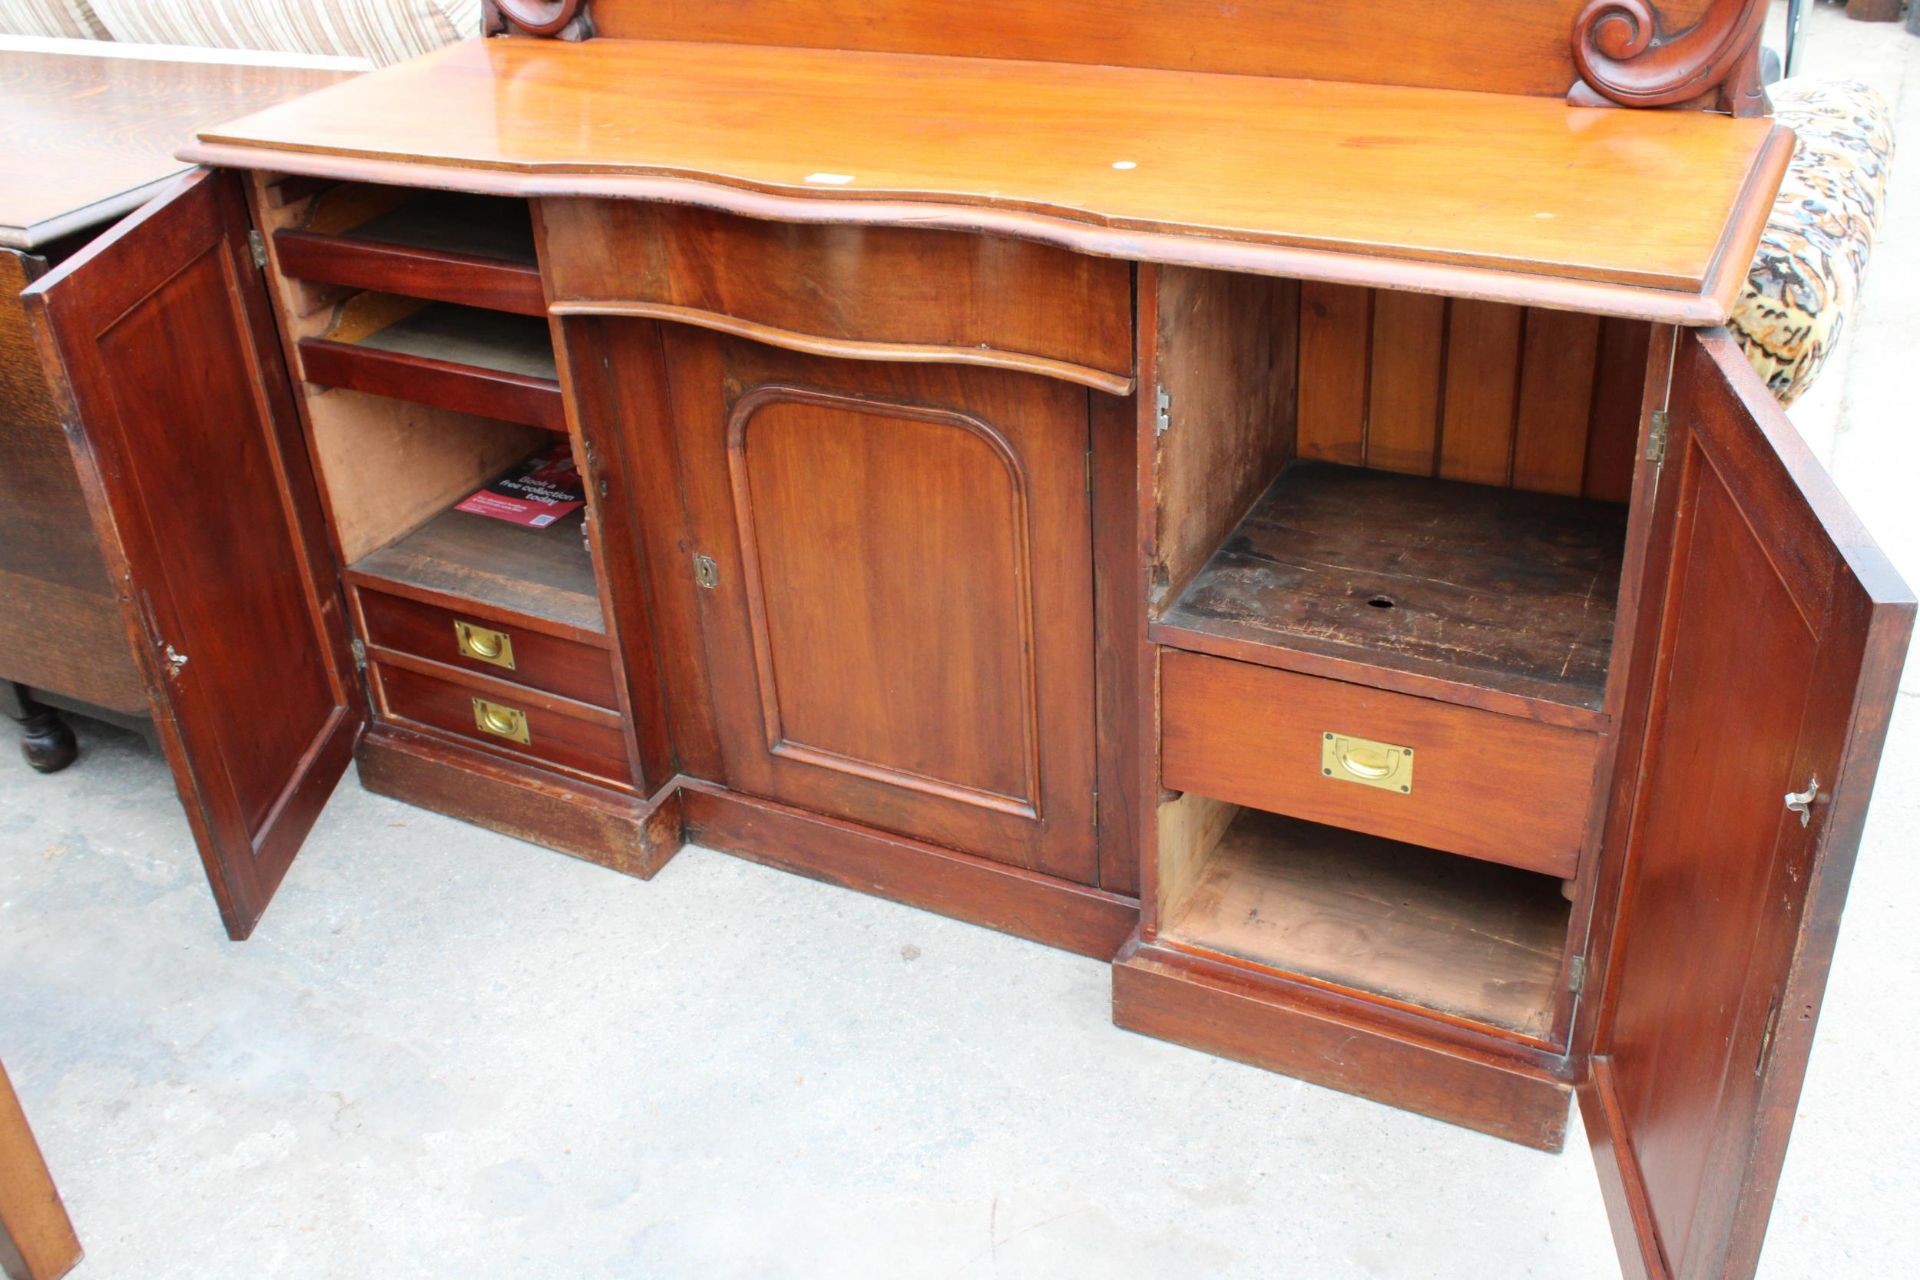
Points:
(1780, 641)
(204, 500)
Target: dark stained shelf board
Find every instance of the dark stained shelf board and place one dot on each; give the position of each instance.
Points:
(1465, 584)
(540, 573)
(462, 358)
(470, 336)
(489, 227)
(1465, 938)
(474, 250)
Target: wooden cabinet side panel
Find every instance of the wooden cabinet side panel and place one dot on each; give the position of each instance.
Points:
(618, 373)
(1224, 353)
(619, 566)
(60, 630)
(1122, 656)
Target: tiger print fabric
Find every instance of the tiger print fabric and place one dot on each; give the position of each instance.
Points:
(1814, 252)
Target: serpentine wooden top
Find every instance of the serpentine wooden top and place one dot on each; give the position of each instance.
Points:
(1648, 213)
(89, 138)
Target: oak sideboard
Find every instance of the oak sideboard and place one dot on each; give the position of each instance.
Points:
(1255, 493)
(89, 139)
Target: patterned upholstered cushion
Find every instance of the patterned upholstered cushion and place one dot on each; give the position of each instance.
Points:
(1807, 272)
(383, 31)
(69, 18)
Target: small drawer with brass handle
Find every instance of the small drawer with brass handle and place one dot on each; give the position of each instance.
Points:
(547, 730)
(1489, 785)
(1369, 763)
(483, 644)
(501, 721)
(490, 646)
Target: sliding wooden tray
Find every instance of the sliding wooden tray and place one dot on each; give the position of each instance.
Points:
(481, 642)
(473, 250)
(1472, 782)
(518, 722)
(461, 358)
(1489, 597)
(1461, 938)
(511, 574)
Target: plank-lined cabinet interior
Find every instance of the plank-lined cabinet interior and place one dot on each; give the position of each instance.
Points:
(1387, 652)
(1410, 645)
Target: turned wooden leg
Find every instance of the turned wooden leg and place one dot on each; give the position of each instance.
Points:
(45, 739)
(36, 1237)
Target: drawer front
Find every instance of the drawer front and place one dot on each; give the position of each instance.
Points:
(460, 638)
(984, 299)
(572, 742)
(1476, 782)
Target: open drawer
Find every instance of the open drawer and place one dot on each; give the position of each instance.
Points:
(476, 251)
(1431, 773)
(452, 357)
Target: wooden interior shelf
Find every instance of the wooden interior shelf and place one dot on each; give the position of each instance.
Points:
(1362, 574)
(1465, 938)
(544, 574)
(453, 357)
(473, 250)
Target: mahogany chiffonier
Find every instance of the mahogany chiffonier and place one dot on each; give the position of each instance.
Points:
(88, 140)
(1255, 492)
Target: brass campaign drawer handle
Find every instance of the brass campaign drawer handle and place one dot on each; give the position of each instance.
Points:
(1385, 765)
(501, 722)
(483, 644)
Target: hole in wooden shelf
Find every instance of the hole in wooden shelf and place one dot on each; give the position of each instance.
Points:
(1381, 602)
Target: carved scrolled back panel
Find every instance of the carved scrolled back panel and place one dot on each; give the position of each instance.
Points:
(1630, 54)
(1636, 53)
(557, 19)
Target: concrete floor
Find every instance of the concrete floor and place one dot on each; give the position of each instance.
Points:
(449, 1054)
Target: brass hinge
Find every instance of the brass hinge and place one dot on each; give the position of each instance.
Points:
(1657, 437)
(1577, 975)
(706, 572)
(1162, 411)
(257, 244)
